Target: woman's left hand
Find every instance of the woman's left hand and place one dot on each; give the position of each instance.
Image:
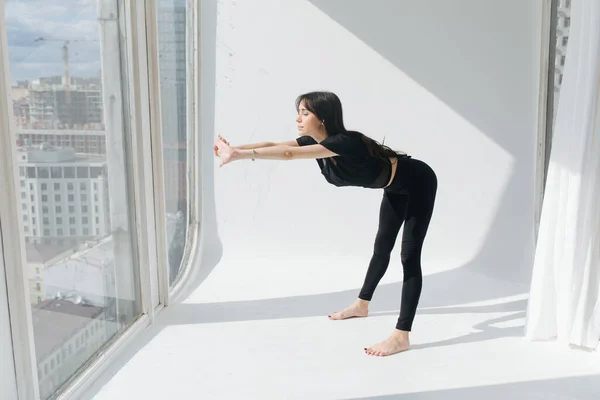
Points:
(223, 150)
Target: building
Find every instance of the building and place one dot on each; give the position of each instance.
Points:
(39, 258)
(67, 332)
(64, 196)
(173, 93)
(83, 141)
(87, 271)
(563, 25)
(53, 104)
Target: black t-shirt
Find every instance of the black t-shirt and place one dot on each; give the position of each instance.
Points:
(353, 166)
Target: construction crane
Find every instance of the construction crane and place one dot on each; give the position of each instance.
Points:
(65, 56)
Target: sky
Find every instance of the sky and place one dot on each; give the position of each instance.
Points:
(59, 20)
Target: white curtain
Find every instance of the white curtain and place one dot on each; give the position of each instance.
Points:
(564, 302)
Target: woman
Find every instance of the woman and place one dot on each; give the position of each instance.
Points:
(349, 158)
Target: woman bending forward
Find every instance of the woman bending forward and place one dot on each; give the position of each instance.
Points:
(350, 158)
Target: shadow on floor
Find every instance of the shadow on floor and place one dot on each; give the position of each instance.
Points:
(440, 292)
(579, 387)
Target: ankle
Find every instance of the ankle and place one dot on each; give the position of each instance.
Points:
(362, 303)
(400, 335)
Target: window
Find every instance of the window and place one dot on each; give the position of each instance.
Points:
(71, 209)
(44, 198)
(173, 86)
(69, 172)
(84, 209)
(58, 209)
(43, 173)
(56, 172)
(35, 62)
(83, 172)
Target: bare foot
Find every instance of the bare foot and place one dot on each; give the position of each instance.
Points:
(396, 343)
(359, 309)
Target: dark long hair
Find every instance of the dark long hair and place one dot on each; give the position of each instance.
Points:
(328, 109)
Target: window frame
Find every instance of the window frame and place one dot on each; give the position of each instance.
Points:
(13, 252)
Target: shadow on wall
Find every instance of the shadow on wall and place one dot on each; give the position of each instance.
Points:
(579, 387)
(470, 87)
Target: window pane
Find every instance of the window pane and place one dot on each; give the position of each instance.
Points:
(563, 18)
(172, 54)
(86, 274)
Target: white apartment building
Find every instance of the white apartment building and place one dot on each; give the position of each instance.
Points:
(63, 195)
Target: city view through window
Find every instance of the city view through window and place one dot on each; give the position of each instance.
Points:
(76, 216)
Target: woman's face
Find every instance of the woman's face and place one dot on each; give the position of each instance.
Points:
(306, 121)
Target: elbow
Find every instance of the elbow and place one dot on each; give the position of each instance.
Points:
(288, 153)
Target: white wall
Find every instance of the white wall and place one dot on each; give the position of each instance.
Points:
(452, 83)
(8, 384)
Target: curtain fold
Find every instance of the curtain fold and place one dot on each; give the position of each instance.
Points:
(564, 301)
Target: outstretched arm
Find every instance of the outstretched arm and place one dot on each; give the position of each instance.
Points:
(261, 145)
(278, 152)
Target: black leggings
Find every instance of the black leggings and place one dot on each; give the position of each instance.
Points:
(410, 200)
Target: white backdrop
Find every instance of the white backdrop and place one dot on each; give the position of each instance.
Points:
(452, 83)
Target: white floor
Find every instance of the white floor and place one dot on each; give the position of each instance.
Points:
(259, 331)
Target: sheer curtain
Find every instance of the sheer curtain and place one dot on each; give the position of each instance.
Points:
(564, 301)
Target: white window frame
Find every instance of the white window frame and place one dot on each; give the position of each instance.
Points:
(13, 251)
(141, 105)
(545, 102)
(8, 378)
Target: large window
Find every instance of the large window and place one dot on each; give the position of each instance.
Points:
(84, 288)
(171, 18)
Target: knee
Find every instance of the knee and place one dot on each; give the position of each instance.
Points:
(383, 247)
(411, 263)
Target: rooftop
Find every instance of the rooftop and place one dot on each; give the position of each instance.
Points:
(56, 321)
